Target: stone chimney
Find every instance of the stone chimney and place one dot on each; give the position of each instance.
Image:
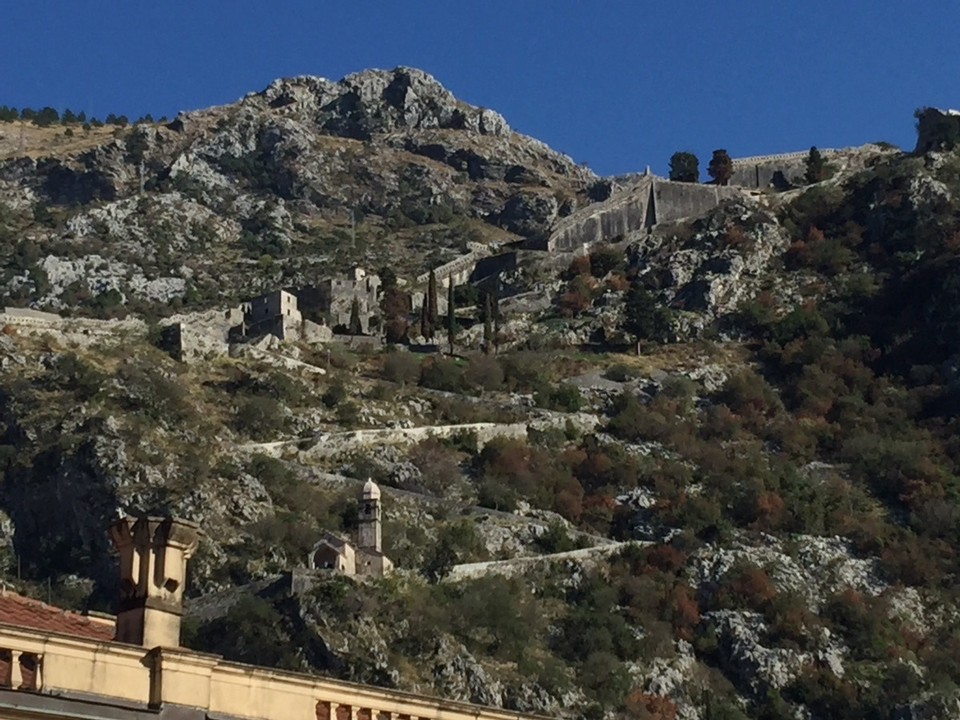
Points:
(153, 568)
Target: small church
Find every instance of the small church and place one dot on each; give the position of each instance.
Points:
(336, 553)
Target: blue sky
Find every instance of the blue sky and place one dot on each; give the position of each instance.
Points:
(617, 84)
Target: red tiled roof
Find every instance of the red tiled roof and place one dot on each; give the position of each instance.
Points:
(29, 613)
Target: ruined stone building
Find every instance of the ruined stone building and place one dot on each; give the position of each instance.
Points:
(366, 558)
(937, 130)
(277, 313)
(209, 333)
(60, 664)
(337, 295)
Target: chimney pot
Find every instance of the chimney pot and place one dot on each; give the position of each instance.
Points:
(153, 566)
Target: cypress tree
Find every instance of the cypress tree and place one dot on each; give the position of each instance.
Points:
(496, 322)
(487, 322)
(356, 327)
(451, 315)
(432, 310)
(816, 167)
(425, 328)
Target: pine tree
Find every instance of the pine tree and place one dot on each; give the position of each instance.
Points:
(356, 327)
(684, 167)
(451, 314)
(720, 167)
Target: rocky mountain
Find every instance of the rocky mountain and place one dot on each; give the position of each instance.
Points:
(706, 468)
(236, 198)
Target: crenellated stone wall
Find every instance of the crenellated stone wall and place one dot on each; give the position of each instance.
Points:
(780, 171)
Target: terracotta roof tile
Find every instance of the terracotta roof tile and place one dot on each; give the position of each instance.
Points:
(29, 613)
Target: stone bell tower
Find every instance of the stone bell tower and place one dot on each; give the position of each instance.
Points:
(153, 566)
(369, 536)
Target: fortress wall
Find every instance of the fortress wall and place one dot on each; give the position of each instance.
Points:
(27, 313)
(36, 320)
(336, 443)
(777, 171)
(460, 267)
(621, 214)
(675, 200)
(777, 157)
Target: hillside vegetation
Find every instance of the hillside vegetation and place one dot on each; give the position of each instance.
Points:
(779, 463)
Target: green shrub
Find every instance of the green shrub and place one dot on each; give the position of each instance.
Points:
(401, 367)
(261, 418)
(483, 372)
(563, 397)
(441, 374)
(335, 394)
(251, 632)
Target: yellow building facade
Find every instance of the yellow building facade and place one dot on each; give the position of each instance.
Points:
(59, 664)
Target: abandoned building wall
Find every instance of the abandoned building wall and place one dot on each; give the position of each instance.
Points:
(335, 298)
(189, 336)
(274, 313)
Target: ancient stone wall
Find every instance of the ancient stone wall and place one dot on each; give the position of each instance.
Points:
(779, 171)
(190, 336)
(624, 212)
(459, 269)
(648, 203)
(275, 313)
(675, 200)
(28, 320)
(335, 443)
(339, 294)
